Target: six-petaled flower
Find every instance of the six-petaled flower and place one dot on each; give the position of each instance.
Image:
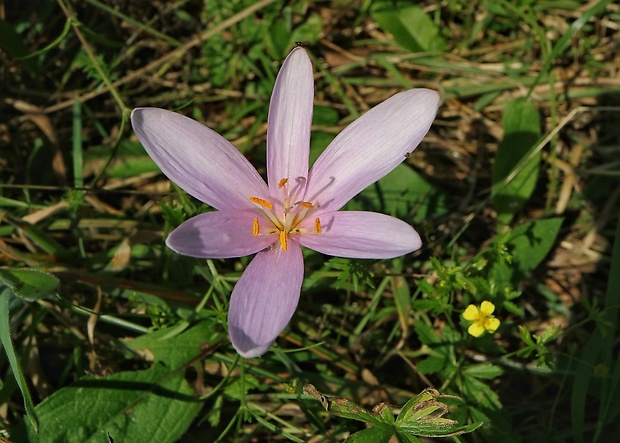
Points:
(296, 206)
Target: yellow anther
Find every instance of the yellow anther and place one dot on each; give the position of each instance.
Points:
(307, 205)
(283, 239)
(317, 226)
(260, 201)
(255, 228)
(282, 182)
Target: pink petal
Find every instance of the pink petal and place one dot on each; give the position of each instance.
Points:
(219, 234)
(370, 147)
(290, 117)
(198, 159)
(264, 299)
(359, 234)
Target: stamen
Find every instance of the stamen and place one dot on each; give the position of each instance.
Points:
(283, 239)
(307, 205)
(317, 226)
(260, 201)
(255, 227)
(282, 182)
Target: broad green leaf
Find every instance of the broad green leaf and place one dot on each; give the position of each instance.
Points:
(405, 437)
(402, 193)
(521, 132)
(528, 245)
(308, 31)
(177, 350)
(411, 27)
(29, 283)
(133, 406)
(377, 434)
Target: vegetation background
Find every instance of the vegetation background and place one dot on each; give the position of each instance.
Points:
(514, 190)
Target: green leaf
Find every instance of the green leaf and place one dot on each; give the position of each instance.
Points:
(423, 416)
(528, 245)
(483, 370)
(513, 180)
(9, 349)
(410, 410)
(176, 350)
(431, 365)
(28, 283)
(377, 434)
(150, 405)
(426, 334)
(308, 31)
(480, 393)
(405, 437)
(411, 27)
(403, 193)
(439, 428)
(385, 413)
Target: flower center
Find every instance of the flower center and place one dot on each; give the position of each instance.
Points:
(283, 217)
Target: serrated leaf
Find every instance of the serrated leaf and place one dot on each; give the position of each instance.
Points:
(521, 132)
(384, 412)
(411, 27)
(431, 365)
(150, 405)
(426, 333)
(513, 308)
(29, 283)
(409, 410)
(479, 392)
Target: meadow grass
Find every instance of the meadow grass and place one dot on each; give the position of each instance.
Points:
(111, 336)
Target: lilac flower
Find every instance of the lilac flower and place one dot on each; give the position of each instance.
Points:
(296, 207)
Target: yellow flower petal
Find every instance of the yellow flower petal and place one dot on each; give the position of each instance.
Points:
(487, 308)
(491, 325)
(471, 313)
(476, 329)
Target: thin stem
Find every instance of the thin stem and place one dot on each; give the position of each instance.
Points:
(91, 55)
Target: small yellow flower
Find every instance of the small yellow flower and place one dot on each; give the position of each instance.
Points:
(482, 318)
